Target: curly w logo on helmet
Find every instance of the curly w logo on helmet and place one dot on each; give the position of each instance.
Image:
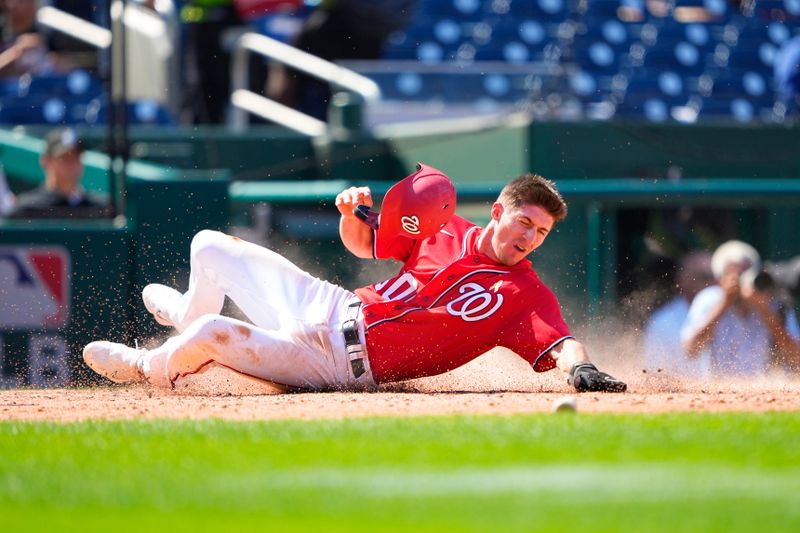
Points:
(410, 224)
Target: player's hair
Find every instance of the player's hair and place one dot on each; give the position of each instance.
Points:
(533, 189)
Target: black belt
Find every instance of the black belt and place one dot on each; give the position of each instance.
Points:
(352, 341)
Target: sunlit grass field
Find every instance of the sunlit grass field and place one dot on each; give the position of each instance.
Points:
(561, 472)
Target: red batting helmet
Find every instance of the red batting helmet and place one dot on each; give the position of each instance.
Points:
(419, 205)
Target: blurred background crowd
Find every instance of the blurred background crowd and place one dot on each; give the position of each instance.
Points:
(653, 60)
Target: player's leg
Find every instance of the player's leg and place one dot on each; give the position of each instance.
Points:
(267, 287)
(309, 356)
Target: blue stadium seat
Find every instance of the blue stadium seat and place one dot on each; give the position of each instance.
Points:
(737, 109)
(598, 56)
(591, 90)
(42, 109)
(631, 10)
(518, 53)
(753, 86)
(620, 56)
(142, 112)
(543, 10)
(409, 86)
(682, 57)
(755, 31)
(776, 10)
(756, 56)
(76, 83)
(457, 9)
(668, 86)
(704, 37)
(717, 9)
(647, 109)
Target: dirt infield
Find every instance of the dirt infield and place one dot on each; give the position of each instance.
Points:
(492, 385)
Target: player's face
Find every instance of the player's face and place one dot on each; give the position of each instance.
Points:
(518, 231)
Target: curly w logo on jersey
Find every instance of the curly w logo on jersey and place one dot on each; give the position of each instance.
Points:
(475, 303)
(34, 284)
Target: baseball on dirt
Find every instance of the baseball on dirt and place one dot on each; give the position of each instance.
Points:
(565, 404)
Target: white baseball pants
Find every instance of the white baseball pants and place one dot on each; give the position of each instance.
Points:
(295, 338)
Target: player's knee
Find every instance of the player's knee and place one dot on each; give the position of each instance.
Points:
(208, 245)
(210, 327)
(204, 238)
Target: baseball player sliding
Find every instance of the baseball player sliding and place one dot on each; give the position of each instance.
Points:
(461, 291)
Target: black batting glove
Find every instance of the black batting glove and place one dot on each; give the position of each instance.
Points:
(586, 378)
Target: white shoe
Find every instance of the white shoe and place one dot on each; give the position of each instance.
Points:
(159, 300)
(117, 362)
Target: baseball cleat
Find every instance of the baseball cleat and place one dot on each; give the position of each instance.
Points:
(117, 362)
(159, 299)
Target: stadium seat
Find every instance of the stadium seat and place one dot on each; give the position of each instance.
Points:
(716, 10)
(42, 109)
(668, 86)
(599, 57)
(750, 84)
(737, 109)
(657, 61)
(597, 95)
(141, 112)
(776, 10)
(454, 9)
(755, 56)
(628, 10)
(682, 57)
(543, 10)
(76, 83)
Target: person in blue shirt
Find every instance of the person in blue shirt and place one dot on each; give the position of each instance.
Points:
(743, 331)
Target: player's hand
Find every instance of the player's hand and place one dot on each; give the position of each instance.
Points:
(349, 199)
(586, 378)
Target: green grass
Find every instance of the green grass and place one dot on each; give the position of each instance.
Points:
(678, 472)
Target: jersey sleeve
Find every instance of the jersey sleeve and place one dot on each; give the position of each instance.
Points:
(541, 329)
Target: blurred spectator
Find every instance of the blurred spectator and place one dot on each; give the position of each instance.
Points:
(61, 195)
(211, 26)
(744, 331)
(337, 30)
(661, 344)
(7, 198)
(787, 74)
(207, 60)
(25, 49)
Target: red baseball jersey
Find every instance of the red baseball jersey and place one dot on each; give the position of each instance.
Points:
(450, 303)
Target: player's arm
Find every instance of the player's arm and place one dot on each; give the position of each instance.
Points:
(356, 236)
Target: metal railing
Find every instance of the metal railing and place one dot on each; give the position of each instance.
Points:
(75, 27)
(246, 101)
